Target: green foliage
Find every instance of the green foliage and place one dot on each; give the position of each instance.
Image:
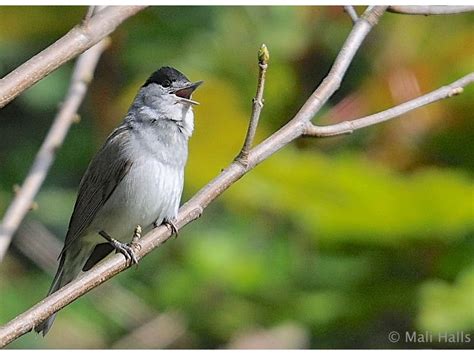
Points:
(358, 201)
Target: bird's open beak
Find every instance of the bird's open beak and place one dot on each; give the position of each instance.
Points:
(185, 93)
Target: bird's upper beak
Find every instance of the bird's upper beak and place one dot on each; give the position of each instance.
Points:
(185, 92)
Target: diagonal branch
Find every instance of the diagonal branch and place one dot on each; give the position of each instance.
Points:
(193, 209)
(429, 9)
(348, 127)
(67, 115)
(73, 43)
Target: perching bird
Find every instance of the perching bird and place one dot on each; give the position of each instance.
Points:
(136, 178)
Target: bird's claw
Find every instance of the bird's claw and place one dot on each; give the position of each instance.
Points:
(126, 249)
(169, 223)
(172, 226)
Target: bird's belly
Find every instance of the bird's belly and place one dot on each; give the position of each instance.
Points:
(149, 192)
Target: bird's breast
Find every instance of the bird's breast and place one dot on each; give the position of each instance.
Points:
(150, 191)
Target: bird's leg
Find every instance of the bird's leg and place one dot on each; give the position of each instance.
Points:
(123, 248)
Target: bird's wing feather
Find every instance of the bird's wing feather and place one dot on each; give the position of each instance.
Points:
(105, 172)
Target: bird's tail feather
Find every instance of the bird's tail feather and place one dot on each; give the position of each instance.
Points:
(60, 279)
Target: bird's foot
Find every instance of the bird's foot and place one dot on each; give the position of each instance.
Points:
(126, 249)
(170, 223)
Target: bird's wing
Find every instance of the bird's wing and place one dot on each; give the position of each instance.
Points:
(105, 171)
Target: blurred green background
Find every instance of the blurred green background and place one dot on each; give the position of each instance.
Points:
(330, 243)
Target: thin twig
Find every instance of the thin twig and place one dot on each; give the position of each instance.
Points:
(93, 10)
(429, 10)
(73, 43)
(257, 105)
(348, 127)
(66, 116)
(193, 209)
(90, 12)
(352, 13)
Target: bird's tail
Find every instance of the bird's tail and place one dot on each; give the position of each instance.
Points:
(63, 276)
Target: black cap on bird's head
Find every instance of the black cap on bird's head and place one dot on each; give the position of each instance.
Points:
(177, 83)
(165, 76)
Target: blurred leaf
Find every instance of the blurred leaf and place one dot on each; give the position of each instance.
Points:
(347, 198)
(447, 308)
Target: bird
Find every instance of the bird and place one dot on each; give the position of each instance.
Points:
(134, 182)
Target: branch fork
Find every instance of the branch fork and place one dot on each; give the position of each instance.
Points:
(347, 127)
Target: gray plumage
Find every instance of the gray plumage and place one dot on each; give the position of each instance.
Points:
(136, 178)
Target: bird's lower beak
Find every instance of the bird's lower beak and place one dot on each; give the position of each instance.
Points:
(185, 93)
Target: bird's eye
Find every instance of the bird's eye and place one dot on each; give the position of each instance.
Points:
(166, 83)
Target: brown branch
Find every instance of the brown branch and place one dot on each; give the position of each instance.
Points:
(73, 43)
(257, 105)
(348, 127)
(81, 77)
(429, 10)
(195, 206)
